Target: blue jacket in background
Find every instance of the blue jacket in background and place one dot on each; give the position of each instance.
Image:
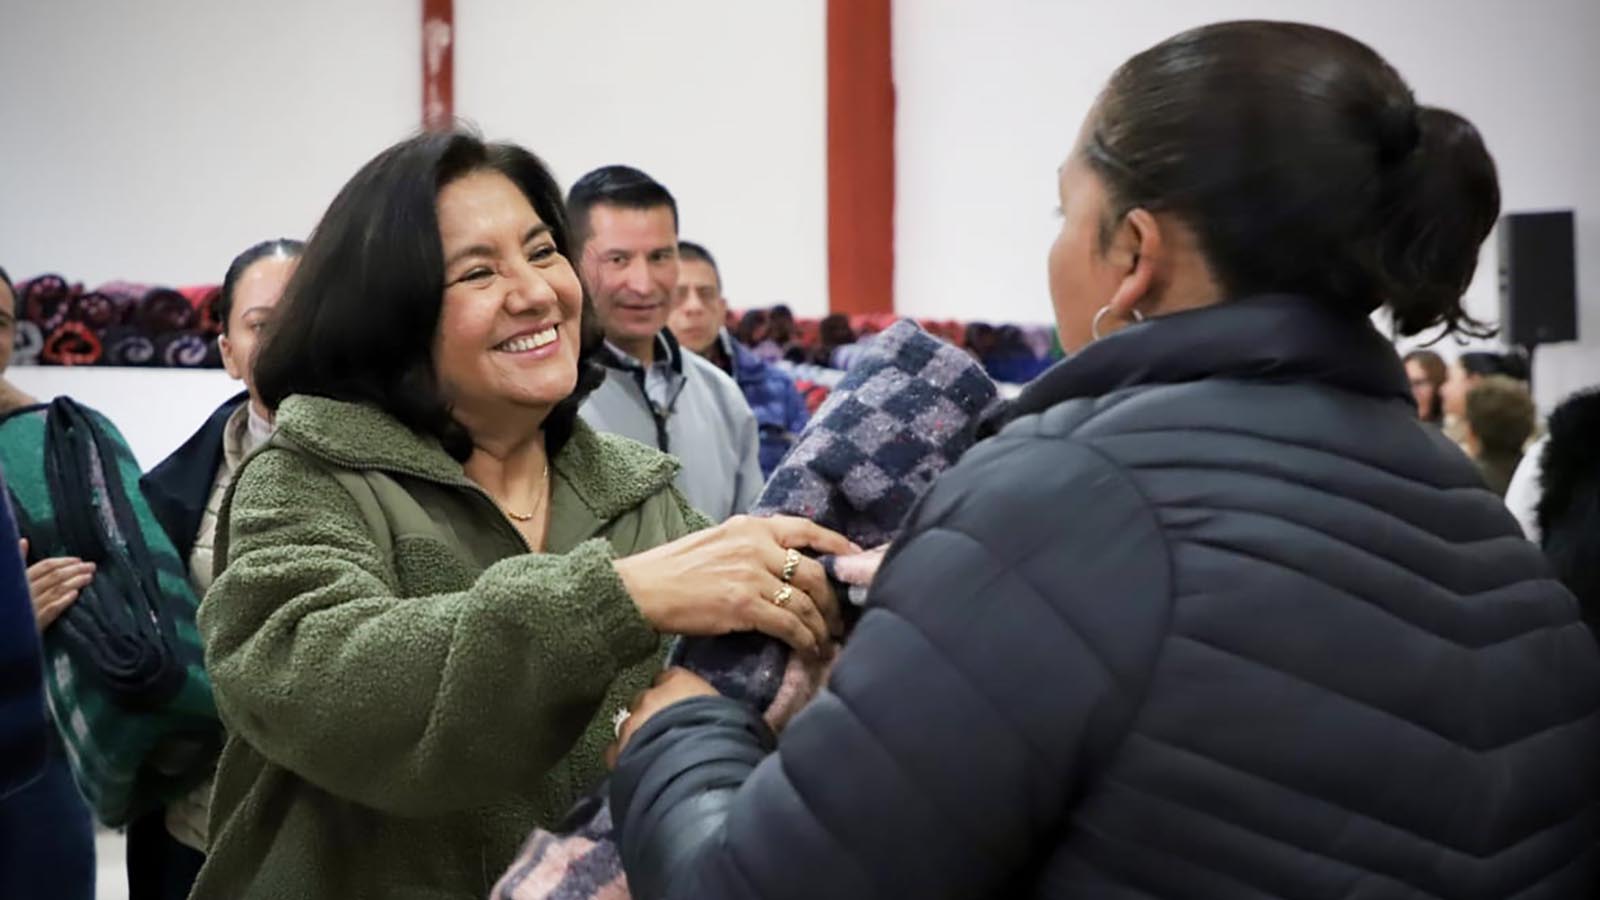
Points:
(178, 488)
(780, 410)
(24, 728)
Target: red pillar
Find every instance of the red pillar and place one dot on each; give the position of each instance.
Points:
(860, 157)
(438, 64)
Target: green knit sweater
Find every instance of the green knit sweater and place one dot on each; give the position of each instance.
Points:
(408, 691)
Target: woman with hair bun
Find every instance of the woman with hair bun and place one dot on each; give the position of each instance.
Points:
(1214, 616)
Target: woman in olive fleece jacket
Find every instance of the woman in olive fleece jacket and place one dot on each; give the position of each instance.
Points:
(434, 584)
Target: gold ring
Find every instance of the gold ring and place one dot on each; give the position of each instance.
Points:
(781, 598)
(791, 562)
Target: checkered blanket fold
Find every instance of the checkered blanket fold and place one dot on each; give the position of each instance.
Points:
(909, 407)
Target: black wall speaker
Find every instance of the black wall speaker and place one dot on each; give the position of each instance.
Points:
(1538, 278)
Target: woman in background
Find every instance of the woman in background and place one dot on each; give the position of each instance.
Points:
(1197, 623)
(46, 829)
(167, 847)
(1427, 373)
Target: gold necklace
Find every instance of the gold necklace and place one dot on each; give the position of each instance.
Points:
(538, 504)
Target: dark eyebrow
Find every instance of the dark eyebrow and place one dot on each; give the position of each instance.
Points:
(486, 250)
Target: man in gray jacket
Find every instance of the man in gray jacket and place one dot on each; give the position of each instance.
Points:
(655, 392)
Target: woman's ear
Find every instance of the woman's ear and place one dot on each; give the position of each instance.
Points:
(1137, 248)
(228, 363)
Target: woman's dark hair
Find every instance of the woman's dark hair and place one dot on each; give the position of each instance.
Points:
(1485, 363)
(6, 280)
(1304, 165)
(1569, 504)
(358, 317)
(284, 247)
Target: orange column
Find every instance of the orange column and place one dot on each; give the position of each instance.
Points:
(860, 157)
(438, 64)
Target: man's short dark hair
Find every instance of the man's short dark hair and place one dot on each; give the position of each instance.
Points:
(620, 186)
(689, 250)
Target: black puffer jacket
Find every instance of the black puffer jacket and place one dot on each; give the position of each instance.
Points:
(1218, 619)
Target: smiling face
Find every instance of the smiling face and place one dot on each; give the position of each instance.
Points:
(509, 327)
(630, 263)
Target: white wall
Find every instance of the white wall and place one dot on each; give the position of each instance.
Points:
(154, 140)
(723, 101)
(155, 409)
(991, 96)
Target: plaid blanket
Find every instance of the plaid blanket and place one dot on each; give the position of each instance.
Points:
(909, 407)
(124, 668)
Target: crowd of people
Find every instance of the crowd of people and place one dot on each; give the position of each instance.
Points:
(1231, 601)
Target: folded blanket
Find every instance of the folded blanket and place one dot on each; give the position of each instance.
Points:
(164, 310)
(125, 296)
(30, 343)
(125, 675)
(45, 300)
(906, 411)
(71, 344)
(95, 310)
(183, 349)
(126, 345)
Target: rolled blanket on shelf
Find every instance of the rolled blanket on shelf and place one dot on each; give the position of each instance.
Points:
(163, 311)
(183, 349)
(126, 345)
(206, 300)
(125, 296)
(30, 343)
(95, 310)
(909, 407)
(71, 344)
(45, 300)
(125, 675)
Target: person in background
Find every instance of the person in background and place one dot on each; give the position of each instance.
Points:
(434, 583)
(1569, 506)
(699, 322)
(1427, 373)
(46, 829)
(1499, 418)
(167, 847)
(627, 240)
(1214, 616)
(25, 728)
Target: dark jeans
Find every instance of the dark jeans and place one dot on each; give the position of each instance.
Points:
(159, 867)
(47, 838)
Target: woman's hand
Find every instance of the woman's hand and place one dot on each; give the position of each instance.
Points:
(670, 686)
(54, 584)
(730, 578)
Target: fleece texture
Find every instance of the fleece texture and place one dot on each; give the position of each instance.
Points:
(408, 691)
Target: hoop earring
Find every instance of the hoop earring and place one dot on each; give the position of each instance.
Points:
(1094, 327)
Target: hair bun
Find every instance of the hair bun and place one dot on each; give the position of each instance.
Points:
(1399, 132)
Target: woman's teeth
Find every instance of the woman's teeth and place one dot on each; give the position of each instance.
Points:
(530, 341)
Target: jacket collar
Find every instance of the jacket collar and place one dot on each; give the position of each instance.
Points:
(1277, 337)
(609, 476)
(666, 346)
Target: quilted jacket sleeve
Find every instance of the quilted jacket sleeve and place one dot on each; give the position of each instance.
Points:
(1005, 652)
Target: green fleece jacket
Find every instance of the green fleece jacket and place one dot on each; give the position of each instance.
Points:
(408, 690)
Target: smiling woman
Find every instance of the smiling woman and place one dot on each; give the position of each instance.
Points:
(434, 584)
